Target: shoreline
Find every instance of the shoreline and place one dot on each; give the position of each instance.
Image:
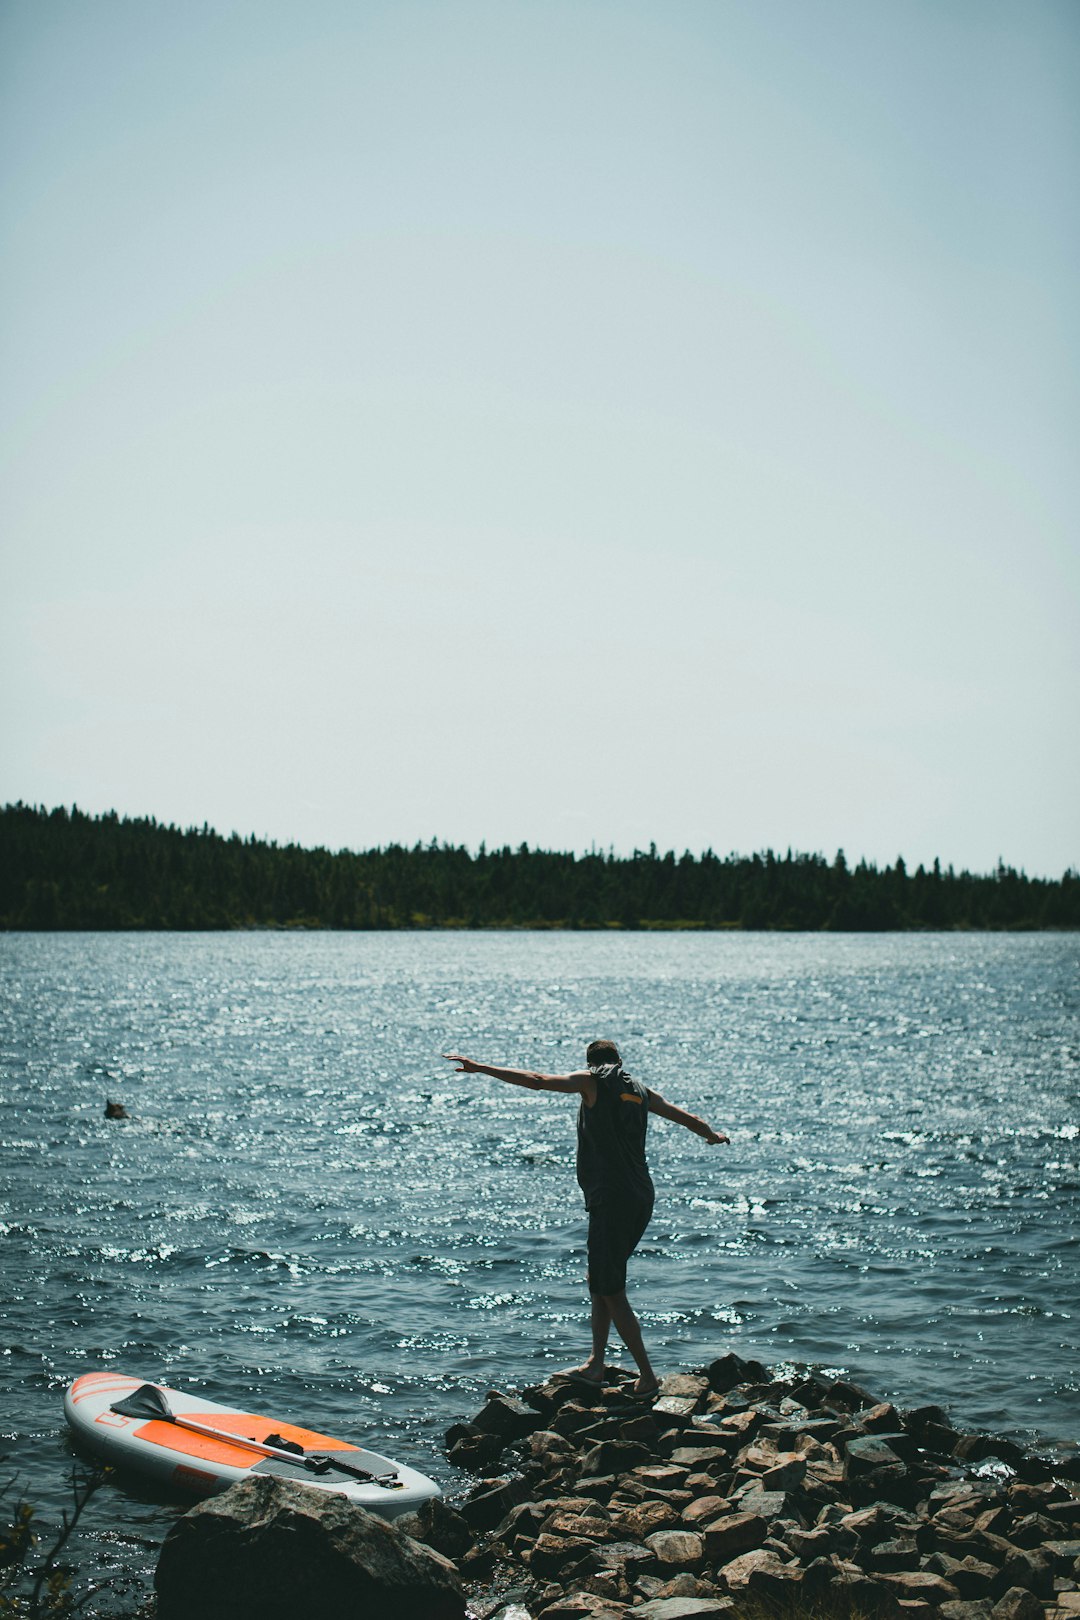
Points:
(738, 1492)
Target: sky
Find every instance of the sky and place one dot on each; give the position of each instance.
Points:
(597, 423)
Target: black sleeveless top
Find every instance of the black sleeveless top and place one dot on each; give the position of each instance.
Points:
(611, 1138)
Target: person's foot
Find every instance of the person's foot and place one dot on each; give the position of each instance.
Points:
(585, 1374)
(645, 1389)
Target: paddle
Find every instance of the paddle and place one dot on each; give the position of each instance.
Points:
(148, 1401)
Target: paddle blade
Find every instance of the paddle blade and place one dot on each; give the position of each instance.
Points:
(146, 1402)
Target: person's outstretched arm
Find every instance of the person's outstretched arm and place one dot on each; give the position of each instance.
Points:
(524, 1077)
(660, 1105)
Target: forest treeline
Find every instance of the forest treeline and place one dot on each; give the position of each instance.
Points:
(63, 869)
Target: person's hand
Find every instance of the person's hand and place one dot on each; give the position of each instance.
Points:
(467, 1065)
(714, 1137)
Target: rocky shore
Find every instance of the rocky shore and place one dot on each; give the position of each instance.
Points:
(736, 1489)
(734, 1494)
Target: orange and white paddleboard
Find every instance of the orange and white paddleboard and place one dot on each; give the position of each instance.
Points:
(190, 1444)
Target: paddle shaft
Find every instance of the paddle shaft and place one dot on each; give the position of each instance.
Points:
(299, 1459)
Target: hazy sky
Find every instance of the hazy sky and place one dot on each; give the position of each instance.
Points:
(561, 422)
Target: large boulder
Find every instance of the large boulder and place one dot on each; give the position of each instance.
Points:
(270, 1549)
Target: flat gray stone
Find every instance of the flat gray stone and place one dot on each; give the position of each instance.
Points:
(767, 1504)
(920, 1585)
(683, 1608)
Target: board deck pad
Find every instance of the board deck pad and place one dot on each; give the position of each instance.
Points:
(175, 1456)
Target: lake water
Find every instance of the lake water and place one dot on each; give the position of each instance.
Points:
(309, 1210)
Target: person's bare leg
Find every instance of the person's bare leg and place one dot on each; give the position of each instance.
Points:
(601, 1323)
(593, 1369)
(628, 1328)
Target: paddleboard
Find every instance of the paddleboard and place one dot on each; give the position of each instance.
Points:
(203, 1447)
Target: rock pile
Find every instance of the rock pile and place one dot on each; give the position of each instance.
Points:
(734, 1485)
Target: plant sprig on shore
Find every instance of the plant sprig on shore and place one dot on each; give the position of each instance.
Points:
(39, 1587)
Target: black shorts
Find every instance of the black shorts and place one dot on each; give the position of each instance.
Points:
(616, 1227)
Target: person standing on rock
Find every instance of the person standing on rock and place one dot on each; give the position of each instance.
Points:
(612, 1172)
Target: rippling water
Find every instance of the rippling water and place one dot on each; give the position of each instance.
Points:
(308, 1209)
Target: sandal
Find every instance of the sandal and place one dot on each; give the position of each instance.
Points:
(644, 1396)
